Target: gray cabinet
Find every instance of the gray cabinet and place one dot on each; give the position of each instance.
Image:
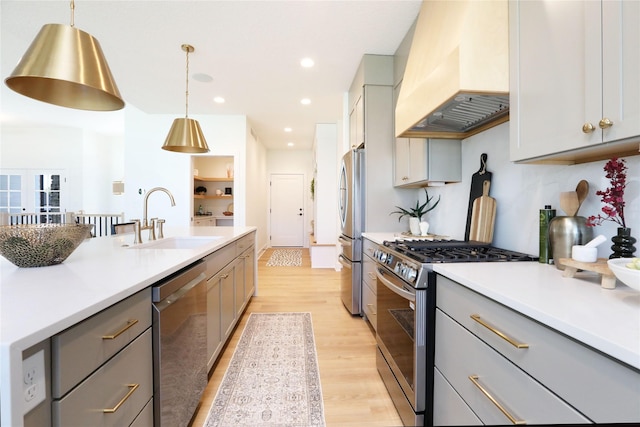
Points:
(369, 283)
(227, 300)
(214, 326)
(535, 373)
(230, 286)
(101, 370)
(371, 122)
(577, 102)
(423, 161)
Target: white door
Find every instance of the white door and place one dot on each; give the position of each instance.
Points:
(287, 210)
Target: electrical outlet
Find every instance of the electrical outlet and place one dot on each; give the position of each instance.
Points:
(34, 387)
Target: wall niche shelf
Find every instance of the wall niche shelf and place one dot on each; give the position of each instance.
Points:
(215, 174)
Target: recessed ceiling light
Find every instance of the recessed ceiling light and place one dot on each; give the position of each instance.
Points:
(307, 62)
(290, 144)
(201, 77)
(288, 129)
(305, 101)
(218, 100)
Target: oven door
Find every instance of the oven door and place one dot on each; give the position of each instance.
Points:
(404, 328)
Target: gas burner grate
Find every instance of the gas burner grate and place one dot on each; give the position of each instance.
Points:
(449, 251)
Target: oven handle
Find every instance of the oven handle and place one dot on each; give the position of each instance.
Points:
(393, 288)
(342, 260)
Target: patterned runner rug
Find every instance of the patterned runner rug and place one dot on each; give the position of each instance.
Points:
(285, 258)
(273, 377)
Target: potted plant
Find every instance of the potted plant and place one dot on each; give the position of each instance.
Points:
(613, 209)
(415, 214)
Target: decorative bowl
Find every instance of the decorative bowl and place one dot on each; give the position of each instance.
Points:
(40, 245)
(628, 276)
(227, 213)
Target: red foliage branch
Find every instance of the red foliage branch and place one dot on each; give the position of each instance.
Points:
(612, 197)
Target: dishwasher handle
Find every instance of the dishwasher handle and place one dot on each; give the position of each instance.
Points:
(171, 284)
(181, 292)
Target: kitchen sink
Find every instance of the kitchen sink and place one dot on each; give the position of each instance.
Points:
(186, 242)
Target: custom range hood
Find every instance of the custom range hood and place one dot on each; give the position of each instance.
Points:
(456, 81)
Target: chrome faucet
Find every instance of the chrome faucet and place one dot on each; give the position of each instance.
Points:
(151, 226)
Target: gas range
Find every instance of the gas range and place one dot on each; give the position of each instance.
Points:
(412, 259)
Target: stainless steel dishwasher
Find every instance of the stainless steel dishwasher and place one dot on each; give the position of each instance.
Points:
(179, 345)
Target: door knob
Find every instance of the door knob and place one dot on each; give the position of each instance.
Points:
(605, 123)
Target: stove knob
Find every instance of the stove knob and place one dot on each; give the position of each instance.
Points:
(389, 258)
(382, 257)
(411, 274)
(399, 268)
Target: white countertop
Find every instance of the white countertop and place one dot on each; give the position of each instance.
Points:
(607, 320)
(36, 303)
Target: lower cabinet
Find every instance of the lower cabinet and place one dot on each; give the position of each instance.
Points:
(369, 284)
(230, 286)
(101, 370)
(505, 367)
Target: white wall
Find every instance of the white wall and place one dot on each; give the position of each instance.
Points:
(257, 189)
(522, 190)
(91, 162)
(148, 166)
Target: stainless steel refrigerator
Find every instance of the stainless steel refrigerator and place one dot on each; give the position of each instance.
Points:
(351, 210)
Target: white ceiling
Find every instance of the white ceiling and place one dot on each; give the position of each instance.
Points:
(251, 49)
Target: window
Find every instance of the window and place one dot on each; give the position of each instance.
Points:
(11, 193)
(32, 196)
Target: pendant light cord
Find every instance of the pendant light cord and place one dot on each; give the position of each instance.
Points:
(186, 93)
(73, 7)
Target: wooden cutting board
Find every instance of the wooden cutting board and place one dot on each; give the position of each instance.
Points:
(483, 216)
(477, 180)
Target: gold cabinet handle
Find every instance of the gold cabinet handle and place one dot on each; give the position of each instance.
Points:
(588, 128)
(129, 324)
(371, 275)
(502, 335)
(132, 388)
(605, 123)
(474, 380)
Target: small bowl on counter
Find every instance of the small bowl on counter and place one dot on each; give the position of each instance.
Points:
(626, 274)
(41, 245)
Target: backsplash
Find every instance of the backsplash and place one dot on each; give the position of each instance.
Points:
(522, 190)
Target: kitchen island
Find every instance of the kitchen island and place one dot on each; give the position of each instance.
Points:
(37, 303)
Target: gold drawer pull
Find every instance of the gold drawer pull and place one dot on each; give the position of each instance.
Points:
(371, 275)
(372, 312)
(474, 380)
(133, 387)
(129, 324)
(508, 339)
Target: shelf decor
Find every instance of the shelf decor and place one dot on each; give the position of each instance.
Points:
(613, 209)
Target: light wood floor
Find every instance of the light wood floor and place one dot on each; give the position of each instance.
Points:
(353, 392)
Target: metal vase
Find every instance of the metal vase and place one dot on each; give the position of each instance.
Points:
(564, 232)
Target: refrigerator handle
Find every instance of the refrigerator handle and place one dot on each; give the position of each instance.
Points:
(344, 242)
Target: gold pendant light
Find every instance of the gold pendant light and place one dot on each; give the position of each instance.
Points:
(185, 135)
(65, 66)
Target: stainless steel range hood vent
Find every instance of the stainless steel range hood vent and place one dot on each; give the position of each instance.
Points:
(465, 113)
(456, 82)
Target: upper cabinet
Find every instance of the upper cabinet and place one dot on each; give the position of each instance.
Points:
(420, 162)
(574, 85)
